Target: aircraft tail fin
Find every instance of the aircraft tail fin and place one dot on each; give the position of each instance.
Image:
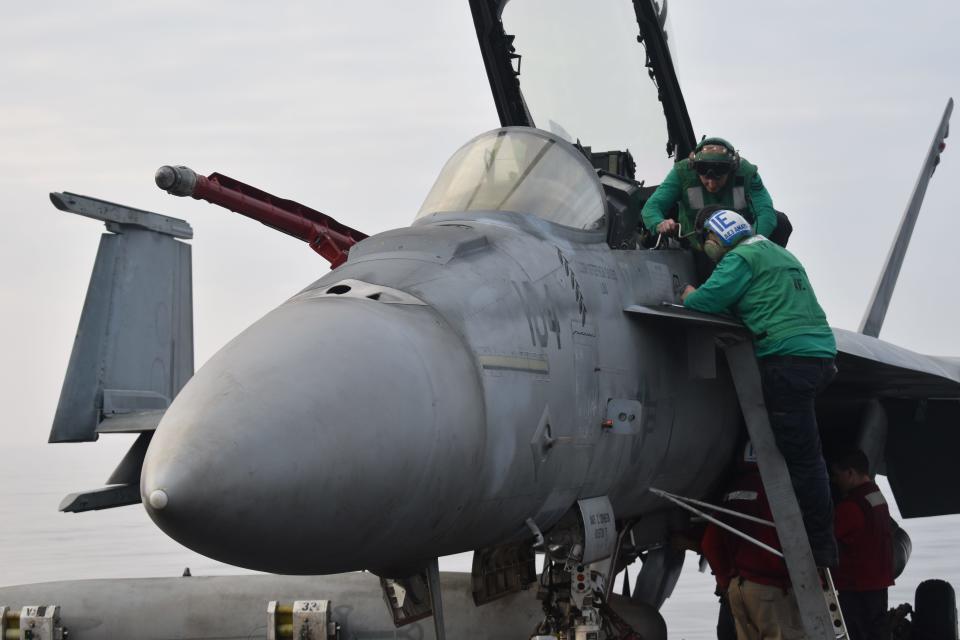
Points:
(133, 350)
(877, 309)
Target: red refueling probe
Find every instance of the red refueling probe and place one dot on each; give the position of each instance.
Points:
(326, 236)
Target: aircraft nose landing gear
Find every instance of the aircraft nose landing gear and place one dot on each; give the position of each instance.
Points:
(574, 606)
(573, 600)
(568, 592)
(580, 554)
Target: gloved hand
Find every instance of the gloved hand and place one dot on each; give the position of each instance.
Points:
(668, 227)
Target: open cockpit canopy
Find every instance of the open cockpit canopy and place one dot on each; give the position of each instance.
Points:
(595, 71)
(520, 170)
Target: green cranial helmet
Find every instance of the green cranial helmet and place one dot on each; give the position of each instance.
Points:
(714, 158)
(714, 150)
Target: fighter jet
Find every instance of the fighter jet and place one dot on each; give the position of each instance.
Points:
(508, 374)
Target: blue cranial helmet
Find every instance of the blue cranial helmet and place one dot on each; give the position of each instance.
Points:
(729, 226)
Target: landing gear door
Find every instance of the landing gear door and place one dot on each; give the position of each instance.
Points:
(599, 529)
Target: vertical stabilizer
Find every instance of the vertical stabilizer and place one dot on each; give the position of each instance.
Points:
(134, 345)
(877, 310)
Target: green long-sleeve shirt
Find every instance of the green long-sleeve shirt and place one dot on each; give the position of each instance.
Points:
(730, 280)
(670, 192)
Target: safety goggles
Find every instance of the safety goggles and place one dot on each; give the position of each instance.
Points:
(703, 234)
(712, 169)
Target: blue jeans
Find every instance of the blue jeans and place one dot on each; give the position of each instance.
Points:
(790, 388)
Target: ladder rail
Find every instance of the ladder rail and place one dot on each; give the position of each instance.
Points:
(833, 606)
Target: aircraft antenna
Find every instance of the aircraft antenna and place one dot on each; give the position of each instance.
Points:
(877, 310)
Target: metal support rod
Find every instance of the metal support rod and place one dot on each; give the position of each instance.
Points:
(611, 573)
(719, 523)
(433, 584)
(707, 505)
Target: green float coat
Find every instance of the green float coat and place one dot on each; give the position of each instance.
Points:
(767, 288)
(674, 189)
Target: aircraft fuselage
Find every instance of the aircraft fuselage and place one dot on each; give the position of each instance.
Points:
(447, 383)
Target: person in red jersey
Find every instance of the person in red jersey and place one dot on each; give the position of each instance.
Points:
(757, 583)
(865, 538)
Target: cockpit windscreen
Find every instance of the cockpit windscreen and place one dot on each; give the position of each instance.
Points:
(523, 171)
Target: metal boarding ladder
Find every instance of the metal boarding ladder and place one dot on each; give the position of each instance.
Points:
(817, 601)
(819, 607)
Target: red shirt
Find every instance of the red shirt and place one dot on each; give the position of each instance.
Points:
(730, 555)
(865, 538)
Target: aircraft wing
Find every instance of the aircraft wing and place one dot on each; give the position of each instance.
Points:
(901, 405)
(868, 367)
(871, 367)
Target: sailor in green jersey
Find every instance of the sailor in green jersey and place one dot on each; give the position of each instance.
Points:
(713, 174)
(766, 287)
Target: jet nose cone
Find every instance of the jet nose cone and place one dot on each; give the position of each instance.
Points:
(332, 435)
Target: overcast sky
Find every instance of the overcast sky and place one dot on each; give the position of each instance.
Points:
(352, 108)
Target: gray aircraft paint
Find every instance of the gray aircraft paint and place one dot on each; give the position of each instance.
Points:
(134, 347)
(585, 353)
(526, 340)
(466, 398)
(880, 300)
